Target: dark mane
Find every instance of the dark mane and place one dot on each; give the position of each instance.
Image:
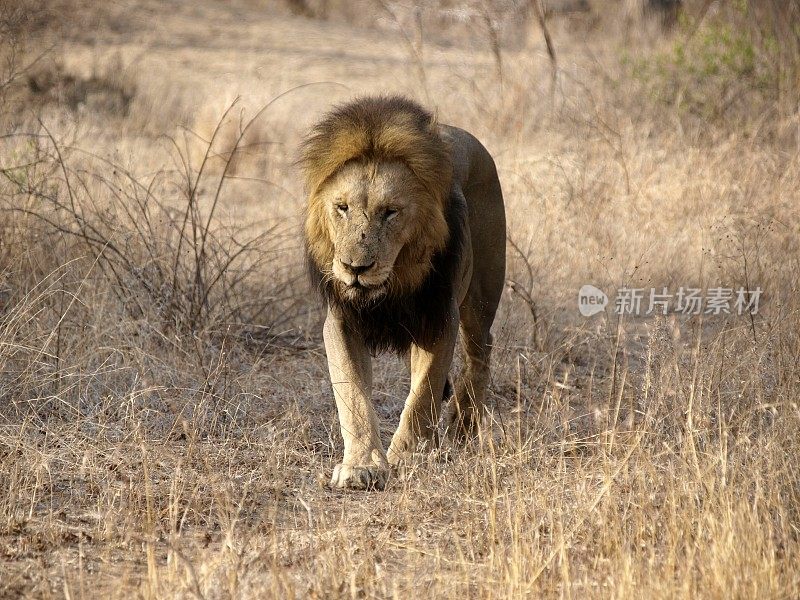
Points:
(396, 321)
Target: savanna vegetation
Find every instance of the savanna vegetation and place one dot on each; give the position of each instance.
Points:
(167, 427)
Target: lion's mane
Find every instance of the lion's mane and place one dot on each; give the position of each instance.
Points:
(373, 130)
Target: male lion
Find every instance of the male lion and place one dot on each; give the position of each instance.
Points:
(405, 238)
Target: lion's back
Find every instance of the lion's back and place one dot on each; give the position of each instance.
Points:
(475, 174)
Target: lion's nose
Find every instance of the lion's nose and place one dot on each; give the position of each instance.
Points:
(358, 269)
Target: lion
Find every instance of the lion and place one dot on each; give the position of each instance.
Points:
(405, 238)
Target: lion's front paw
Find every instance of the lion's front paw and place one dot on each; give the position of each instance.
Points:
(359, 477)
(408, 441)
(403, 450)
(463, 424)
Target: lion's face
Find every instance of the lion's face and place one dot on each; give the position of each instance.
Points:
(379, 177)
(371, 213)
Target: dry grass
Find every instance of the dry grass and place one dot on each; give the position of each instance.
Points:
(166, 421)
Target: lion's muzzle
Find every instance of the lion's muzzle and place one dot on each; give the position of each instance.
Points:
(357, 270)
(359, 275)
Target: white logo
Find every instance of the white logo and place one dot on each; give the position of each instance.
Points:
(591, 300)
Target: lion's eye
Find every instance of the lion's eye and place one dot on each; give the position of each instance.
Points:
(390, 213)
(341, 208)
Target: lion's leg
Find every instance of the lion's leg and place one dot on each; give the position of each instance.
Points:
(364, 465)
(420, 418)
(469, 403)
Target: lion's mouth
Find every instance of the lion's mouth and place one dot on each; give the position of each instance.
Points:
(360, 286)
(363, 292)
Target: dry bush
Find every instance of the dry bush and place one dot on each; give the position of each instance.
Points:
(132, 264)
(32, 75)
(732, 64)
(17, 21)
(155, 251)
(240, 137)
